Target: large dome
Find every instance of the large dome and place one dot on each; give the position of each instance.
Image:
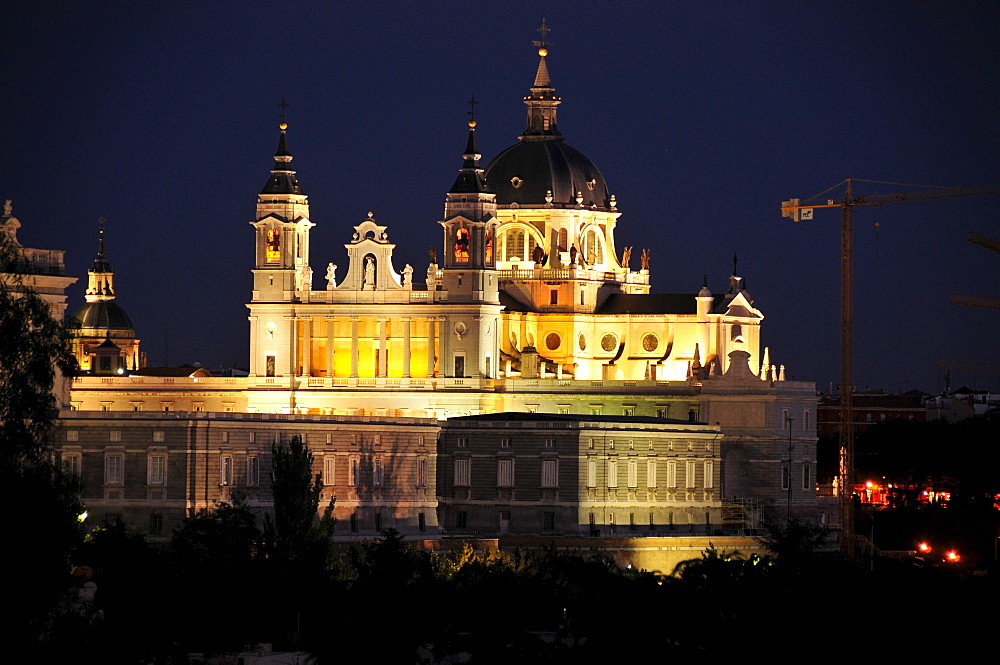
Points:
(526, 171)
(103, 314)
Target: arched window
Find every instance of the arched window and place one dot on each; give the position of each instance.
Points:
(273, 245)
(514, 246)
(462, 245)
(563, 240)
(488, 249)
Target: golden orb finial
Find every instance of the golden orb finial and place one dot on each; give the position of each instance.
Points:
(283, 126)
(472, 124)
(543, 52)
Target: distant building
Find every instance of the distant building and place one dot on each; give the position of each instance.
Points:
(870, 409)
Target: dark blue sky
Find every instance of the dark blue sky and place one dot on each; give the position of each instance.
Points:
(701, 116)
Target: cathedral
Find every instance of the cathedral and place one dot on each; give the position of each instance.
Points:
(530, 317)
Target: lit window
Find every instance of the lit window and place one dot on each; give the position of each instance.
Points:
(550, 473)
(156, 469)
(253, 471)
(329, 467)
(113, 469)
(226, 470)
(505, 473)
(462, 472)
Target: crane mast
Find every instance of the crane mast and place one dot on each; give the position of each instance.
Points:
(799, 210)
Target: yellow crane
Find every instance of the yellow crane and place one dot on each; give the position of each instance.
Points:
(801, 210)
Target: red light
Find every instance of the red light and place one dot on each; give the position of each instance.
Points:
(924, 548)
(952, 556)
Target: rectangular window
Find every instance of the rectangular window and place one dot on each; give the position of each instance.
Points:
(115, 436)
(661, 413)
(253, 471)
(158, 436)
(628, 410)
(422, 472)
(71, 463)
(354, 522)
(253, 437)
(462, 471)
(550, 443)
(689, 474)
(553, 297)
(463, 442)
(505, 443)
(155, 525)
(226, 470)
(421, 522)
(505, 473)
(633, 473)
(225, 437)
(156, 469)
(806, 477)
(672, 474)
(590, 444)
(612, 473)
(631, 521)
(377, 472)
(329, 467)
(709, 474)
(459, 366)
(269, 365)
(378, 520)
(806, 420)
(591, 472)
(354, 466)
(785, 480)
(461, 519)
(550, 473)
(113, 469)
(651, 474)
(548, 521)
(72, 435)
(784, 419)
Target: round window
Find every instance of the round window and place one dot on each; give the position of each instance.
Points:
(583, 342)
(649, 342)
(609, 342)
(552, 341)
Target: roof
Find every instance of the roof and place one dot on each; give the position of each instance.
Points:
(654, 303)
(520, 416)
(282, 180)
(185, 371)
(103, 314)
(526, 171)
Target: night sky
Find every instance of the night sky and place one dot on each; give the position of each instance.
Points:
(702, 116)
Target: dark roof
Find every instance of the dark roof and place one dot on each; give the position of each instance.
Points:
(283, 179)
(104, 314)
(470, 178)
(541, 166)
(520, 416)
(654, 303)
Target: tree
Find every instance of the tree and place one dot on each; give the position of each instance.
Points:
(294, 535)
(44, 524)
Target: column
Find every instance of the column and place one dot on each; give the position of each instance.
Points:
(254, 346)
(354, 347)
(307, 346)
(444, 338)
(382, 364)
(293, 338)
(329, 346)
(406, 347)
(430, 346)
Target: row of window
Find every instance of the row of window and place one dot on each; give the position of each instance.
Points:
(690, 446)
(786, 420)
(550, 473)
(159, 436)
(786, 476)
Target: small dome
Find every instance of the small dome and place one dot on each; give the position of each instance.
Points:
(103, 314)
(525, 172)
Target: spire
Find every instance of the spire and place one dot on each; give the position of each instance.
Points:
(470, 177)
(282, 180)
(542, 101)
(100, 280)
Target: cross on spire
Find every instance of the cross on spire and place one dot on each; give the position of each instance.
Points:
(543, 31)
(472, 108)
(735, 261)
(284, 105)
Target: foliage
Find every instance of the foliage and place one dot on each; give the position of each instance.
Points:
(293, 535)
(32, 346)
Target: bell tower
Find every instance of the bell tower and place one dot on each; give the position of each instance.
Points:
(470, 227)
(281, 270)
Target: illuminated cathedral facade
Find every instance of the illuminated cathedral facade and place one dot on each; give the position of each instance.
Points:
(530, 308)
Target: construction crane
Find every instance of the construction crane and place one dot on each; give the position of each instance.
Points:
(802, 210)
(978, 301)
